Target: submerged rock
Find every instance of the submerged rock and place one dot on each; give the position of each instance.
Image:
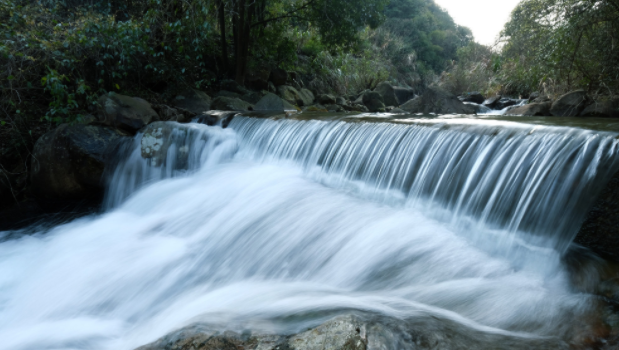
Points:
(68, 162)
(124, 112)
(570, 104)
(532, 110)
(435, 100)
(194, 101)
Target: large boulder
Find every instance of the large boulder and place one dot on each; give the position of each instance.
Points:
(404, 94)
(272, 102)
(253, 97)
(601, 109)
(68, 162)
(505, 102)
(475, 97)
(600, 230)
(231, 104)
(326, 99)
(373, 101)
(278, 77)
(124, 112)
(532, 110)
(307, 97)
(436, 100)
(289, 94)
(570, 104)
(492, 101)
(194, 101)
(388, 94)
(167, 113)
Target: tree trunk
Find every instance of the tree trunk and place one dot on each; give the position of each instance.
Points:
(239, 42)
(222, 29)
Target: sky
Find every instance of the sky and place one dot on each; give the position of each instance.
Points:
(484, 17)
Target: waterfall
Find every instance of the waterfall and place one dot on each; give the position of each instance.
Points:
(282, 219)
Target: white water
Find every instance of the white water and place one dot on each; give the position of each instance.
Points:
(276, 218)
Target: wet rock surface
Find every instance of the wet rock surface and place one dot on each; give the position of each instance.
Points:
(356, 331)
(531, 110)
(570, 104)
(272, 102)
(124, 112)
(475, 97)
(387, 92)
(435, 100)
(68, 163)
(231, 104)
(373, 101)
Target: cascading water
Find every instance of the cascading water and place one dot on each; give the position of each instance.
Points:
(269, 219)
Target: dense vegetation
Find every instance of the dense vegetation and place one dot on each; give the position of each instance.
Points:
(551, 46)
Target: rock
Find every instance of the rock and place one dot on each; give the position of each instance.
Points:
(231, 104)
(292, 75)
(68, 162)
(306, 96)
(272, 102)
(534, 95)
(194, 101)
(387, 92)
(124, 112)
(601, 109)
(475, 97)
(232, 86)
(253, 97)
(373, 101)
(570, 104)
(341, 101)
(156, 141)
(167, 113)
(278, 77)
(289, 94)
(325, 99)
(398, 111)
(505, 102)
(600, 230)
(212, 118)
(436, 100)
(532, 110)
(225, 93)
(403, 94)
(334, 108)
(492, 101)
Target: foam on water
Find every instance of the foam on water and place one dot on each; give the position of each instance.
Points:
(269, 219)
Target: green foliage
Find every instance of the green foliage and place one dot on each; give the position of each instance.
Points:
(559, 45)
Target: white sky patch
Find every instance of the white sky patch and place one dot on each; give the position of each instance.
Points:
(485, 18)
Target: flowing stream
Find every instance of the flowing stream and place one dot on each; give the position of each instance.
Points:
(269, 219)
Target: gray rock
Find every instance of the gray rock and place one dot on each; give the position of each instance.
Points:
(373, 101)
(492, 101)
(398, 111)
(231, 104)
(253, 97)
(387, 92)
(475, 97)
(436, 100)
(194, 101)
(532, 110)
(222, 118)
(404, 94)
(341, 101)
(326, 99)
(307, 97)
(315, 108)
(68, 162)
(290, 94)
(124, 112)
(505, 102)
(570, 104)
(278, 77)
(334, 108)
(601, 109)
(167, 113)
(272, 102)
(534, 95)
(226, 93)
(272, 87)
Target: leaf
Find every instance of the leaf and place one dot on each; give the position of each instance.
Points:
(11, 77)
(117, 87)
